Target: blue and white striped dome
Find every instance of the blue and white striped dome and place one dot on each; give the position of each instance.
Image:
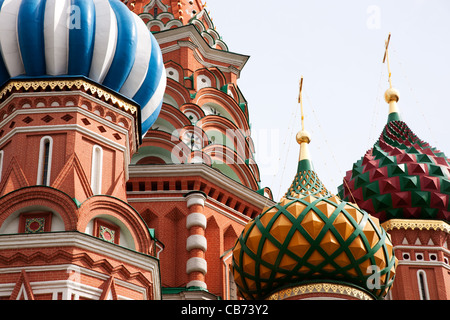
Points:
(99, 39)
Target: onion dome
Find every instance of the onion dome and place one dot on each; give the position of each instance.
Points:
(98, 39)
(401, 176)
(311, 237)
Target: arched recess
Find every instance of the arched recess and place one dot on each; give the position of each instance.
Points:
(178, 94)
(212, 254)
(221, 130)
(170, 118)
(161, 144)
(174, 71)
(213, 99)
(193, 112)
(229, 237)
(203, 78)
(221, 79)
(134, 233)
(232, 165)
(37, 198)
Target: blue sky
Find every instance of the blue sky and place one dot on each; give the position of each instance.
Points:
(338, 47)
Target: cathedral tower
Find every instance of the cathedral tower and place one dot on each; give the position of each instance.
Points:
(74, 105)
(195, 179)
(405, 182)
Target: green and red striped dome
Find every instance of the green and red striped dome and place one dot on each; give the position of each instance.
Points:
(400, 177)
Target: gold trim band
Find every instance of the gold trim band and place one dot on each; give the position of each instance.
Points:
(69, 84)
(331, 288)
(416, 224)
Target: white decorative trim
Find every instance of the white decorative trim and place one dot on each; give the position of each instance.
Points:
(416, 263)
(196, 264)
(422, 273)
(2, 154)
(196, 219)
(80, 240)
(42, 144)
(96, 169)
(191, 32)
(196, 241)
(196, 283)
(195, 198)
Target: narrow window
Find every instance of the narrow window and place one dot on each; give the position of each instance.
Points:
(1, 164)
(423, 287)
(96, 171)
(45, 161)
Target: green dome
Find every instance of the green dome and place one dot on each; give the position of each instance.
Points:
(311, 235)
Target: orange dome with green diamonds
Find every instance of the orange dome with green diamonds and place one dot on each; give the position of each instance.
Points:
(312, 236)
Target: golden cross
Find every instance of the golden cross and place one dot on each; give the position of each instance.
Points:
(386, 58)
(300, 100)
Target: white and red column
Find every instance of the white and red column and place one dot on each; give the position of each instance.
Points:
(196, 243)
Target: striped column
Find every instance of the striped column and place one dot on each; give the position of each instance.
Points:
(196, 243)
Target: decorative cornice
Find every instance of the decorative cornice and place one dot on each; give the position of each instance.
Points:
(206, 172)
(198, 42)
(320, 288)
(416, 224)
(58, 240)
(63, 84)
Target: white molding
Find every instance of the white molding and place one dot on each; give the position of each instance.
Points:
(424, 263)
(80, 240)
(96, 169)
(190, 31)
(42, 143)
(196, 283)
(423, 248)
(424, 277)
(196, 264)
(2, 154)
(196, 219)
(196, 241)
(195, 198)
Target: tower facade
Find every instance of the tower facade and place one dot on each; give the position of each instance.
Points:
(405, 182)
(194, 179)
(73, 113)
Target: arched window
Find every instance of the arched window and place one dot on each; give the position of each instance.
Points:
(423, 286)
(45, 161)
(96, 169)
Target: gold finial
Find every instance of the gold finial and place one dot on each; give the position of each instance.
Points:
(303, 135)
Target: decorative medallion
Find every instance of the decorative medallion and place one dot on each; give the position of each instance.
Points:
(34, 225)
(107, 234)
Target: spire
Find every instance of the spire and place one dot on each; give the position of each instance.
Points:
(303, 138)
(391, 95)
(306, 181)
